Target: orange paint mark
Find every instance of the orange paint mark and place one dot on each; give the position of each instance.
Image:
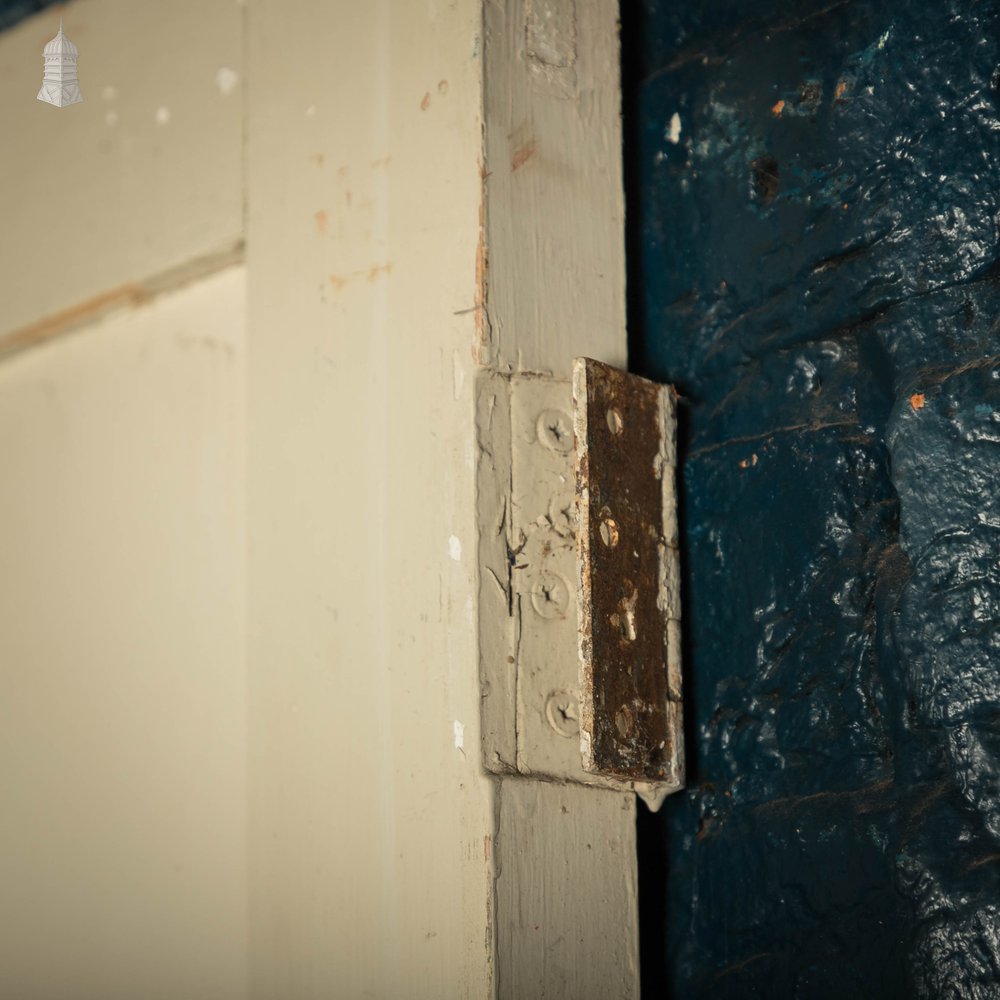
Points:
(382, 161)
(917, 400)
(321, 220)
(426, 102)
(376, 269)
(747, 462)
(522, 155)
(338, 281)
(841, 90)
(479, 350)
(845, 206)
(777, 108)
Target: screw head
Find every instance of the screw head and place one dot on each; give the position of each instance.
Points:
(555, 430)
(609, 532)
(550, 596)
(563, 713)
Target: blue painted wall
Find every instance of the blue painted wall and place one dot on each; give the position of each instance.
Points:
(12, 11)
(814, 262)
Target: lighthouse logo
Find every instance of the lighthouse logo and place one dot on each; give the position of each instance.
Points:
(60, 85)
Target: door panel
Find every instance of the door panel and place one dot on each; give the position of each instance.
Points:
(814, 194)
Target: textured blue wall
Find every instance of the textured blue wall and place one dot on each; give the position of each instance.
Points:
(814, 262)
(12, 11)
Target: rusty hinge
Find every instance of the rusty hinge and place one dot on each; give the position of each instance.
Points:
(579, 609)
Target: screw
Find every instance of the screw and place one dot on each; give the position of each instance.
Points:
(609, 532)
(555, 430)
(563, 713)
(623, 721)
(550, 596)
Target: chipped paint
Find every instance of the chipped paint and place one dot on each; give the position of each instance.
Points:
(226, 80)
(673, 133)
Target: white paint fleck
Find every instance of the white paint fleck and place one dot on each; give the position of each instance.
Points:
(109, 93)
(226, 80)
(162, 115)
(674, 133)
(111, 118)
(454, 548)
(883, 39)
(311, 111)
(459, 732)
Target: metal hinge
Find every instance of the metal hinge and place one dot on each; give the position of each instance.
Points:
(579, 585)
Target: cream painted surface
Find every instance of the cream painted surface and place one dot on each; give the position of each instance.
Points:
(107, 193)
(555, 289)
(285, 799)
(122, 684)
(370, 829)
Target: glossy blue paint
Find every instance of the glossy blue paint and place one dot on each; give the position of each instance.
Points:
(814, 262)
(12, 11)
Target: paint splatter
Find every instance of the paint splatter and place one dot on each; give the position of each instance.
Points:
(454, 548)
(674, 131)
(226, 80)
(917, 400)
(777, 108)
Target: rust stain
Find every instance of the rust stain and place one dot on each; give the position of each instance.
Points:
(777, 108)
(129, 295)
(318, 158)
(426, 102)
(917, 400)
(339, 281)
(480, 351)
(522, 154)
(442, 86)
(630, 715)
(321, 221)
(840, 91)
(382, 161)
